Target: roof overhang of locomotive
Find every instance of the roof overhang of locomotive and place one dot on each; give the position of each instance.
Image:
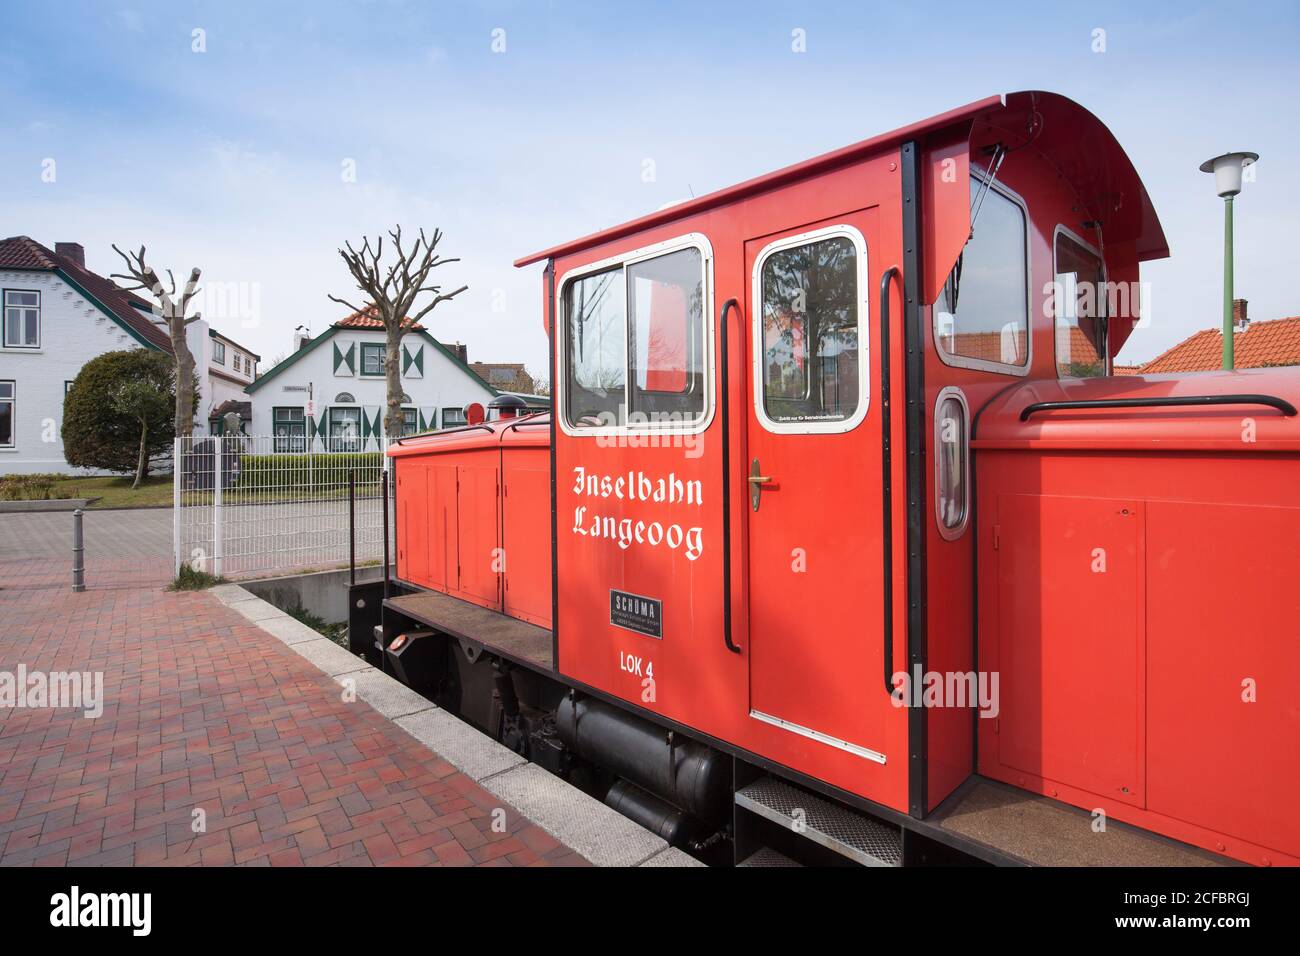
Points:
(1064, 135)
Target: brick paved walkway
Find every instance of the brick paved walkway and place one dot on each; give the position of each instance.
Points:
(204, 710)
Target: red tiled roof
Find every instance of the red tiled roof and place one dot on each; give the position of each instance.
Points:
(21, 252)
(1261, 345)
(1127, 369)
(368, 318)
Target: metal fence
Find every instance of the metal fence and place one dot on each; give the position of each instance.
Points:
(247, 505)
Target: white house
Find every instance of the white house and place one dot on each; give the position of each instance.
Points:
(57, 315)
(331, 391)
(230, 369)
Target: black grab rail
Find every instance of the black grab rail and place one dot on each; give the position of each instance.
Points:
(724, 391)
(887, 524)
(1271, 401)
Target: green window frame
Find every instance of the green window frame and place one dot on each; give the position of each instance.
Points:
(372, 359)
(453, 417)
(289, 428)
(345, 428)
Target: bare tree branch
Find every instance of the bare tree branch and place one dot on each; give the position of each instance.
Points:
(169, 312)
(393, 291)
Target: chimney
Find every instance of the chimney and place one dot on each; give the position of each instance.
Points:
(301, 339)
(460, 351)
(1239, 317)
(73, 251)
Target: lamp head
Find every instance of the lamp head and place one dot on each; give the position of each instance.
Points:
(1227, 171)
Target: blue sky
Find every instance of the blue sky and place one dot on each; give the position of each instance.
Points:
(232, 159)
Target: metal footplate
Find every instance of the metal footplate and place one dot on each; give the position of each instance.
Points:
(767, 857)
(846, 832)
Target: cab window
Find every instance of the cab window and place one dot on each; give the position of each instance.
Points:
(981, 318)
(635, 341)
(810, 333)
(1079, 303)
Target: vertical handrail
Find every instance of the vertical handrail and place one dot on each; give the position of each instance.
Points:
(886, 470)
(724, 390)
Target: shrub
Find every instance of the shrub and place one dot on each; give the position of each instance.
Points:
(106, 412)
(273, 472)
(34, 487)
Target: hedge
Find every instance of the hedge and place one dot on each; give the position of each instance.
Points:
(262, 472)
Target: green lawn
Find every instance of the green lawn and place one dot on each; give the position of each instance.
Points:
(117, 492)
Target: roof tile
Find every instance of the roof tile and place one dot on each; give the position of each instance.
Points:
(368, 318)
(1261, 345)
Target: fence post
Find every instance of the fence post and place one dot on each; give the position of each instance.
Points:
(78, 553)
(178, 444)
(352, 526)
(216, 505)
(383, 491)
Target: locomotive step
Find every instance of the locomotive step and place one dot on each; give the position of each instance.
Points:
(846, 832)
(767, 857)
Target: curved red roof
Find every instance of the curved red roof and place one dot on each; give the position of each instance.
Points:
(1074, 140)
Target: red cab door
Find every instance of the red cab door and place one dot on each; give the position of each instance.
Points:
(814, 505)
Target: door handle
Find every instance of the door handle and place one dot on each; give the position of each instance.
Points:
(756, 482)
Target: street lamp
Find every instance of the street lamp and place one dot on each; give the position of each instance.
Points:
(1227, 183)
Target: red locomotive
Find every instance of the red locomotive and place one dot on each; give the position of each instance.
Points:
(839, 508)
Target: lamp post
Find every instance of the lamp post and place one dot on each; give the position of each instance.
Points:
(1227, 183)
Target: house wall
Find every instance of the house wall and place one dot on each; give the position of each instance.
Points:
(73, 331)
(216, 384)
(443, 384)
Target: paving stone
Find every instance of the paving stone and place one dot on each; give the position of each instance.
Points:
(386, 694)
(204, 710)
(329, 657)
(289, 630)
(583, 823)
(229, 594)
(671, 856)
(255, 609)
(474, 754)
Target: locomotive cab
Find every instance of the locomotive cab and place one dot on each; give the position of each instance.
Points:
(819, 500)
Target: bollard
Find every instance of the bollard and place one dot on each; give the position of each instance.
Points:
(78, 553)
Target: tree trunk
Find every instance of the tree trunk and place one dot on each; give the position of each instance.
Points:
(393, 376)
(184, 378)
(142, 462)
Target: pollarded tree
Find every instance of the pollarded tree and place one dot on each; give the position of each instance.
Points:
(118, 412)
(169, 312)
(393, 291)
